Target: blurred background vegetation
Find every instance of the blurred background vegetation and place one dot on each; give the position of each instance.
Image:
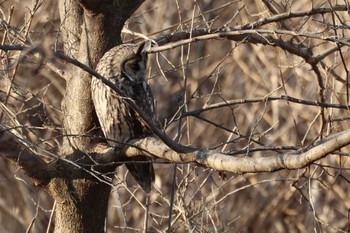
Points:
(189, 78)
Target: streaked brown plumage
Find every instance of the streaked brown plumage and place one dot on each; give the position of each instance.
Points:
(125, 65)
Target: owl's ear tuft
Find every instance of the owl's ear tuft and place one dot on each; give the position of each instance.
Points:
(144, 47)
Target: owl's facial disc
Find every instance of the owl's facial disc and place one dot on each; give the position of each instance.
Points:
(134, 69)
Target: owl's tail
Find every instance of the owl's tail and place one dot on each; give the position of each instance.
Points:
(143, 172)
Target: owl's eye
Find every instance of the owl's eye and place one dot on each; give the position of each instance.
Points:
(135, 66)
(132, 68)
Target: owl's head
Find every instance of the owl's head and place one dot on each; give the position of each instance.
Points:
(134, 68)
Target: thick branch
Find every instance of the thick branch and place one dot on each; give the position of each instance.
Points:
(32, 165)
(117, 12)
(16, 149)
(223, 162)
(71, 15)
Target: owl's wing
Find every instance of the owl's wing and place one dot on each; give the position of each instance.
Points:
(112, 113)
(141, 168)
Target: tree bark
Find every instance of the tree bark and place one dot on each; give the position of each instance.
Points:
(89, 29)
(81, 205)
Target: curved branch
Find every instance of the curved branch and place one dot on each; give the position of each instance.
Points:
(290, 15)
(180, 35)
(37, 169)
(223, 162)
(255, 36)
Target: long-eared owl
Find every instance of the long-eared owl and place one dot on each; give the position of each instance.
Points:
(125, 66)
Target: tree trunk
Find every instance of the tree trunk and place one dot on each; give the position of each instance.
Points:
(89, 29)
(81, 205)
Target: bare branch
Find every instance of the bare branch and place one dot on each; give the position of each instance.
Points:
(224, 162)
(16, 149)
(261, 100)
(290, 15)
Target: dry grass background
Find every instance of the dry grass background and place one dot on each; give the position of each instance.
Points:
(314, 199)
